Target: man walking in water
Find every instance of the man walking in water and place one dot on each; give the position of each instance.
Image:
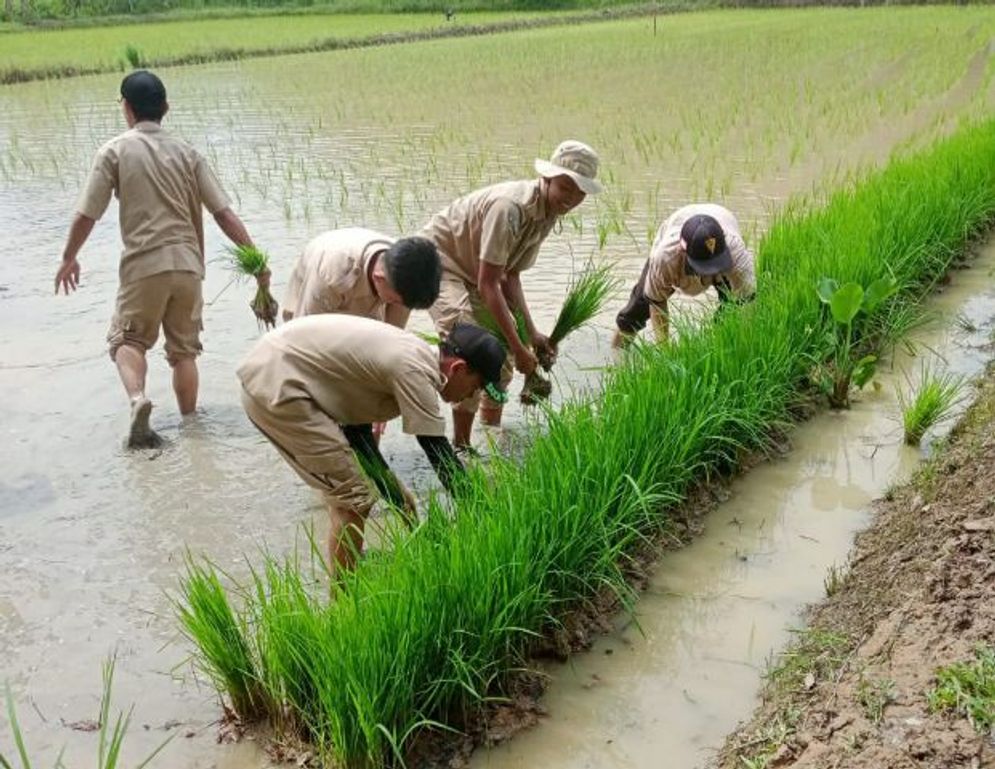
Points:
(161, 184)
(486, 240)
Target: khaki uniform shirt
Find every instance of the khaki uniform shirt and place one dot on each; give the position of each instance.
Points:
(503, 224)
(668, 268)
(332, 275)
(161, 183)
(357, 370)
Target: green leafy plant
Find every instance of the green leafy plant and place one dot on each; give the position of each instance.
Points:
(844, 365)
(251, 262)
(968, 688)
(932, 400)
(110, 737)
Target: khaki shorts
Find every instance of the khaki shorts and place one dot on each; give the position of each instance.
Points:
(172, 300)
(315, 447)
(458, 303)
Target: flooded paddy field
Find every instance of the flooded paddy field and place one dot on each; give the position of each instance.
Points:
(92, 537)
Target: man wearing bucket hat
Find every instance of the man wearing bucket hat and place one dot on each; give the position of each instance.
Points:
(486, 240)
(314, 387)
(161, 183)
(358, 271)
(698, 247)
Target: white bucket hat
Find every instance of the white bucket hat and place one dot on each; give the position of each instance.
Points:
(576, 160)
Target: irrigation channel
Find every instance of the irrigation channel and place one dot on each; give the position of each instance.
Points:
(92, 537)
(674, 679)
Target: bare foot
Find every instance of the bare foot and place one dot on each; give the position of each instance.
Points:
(140, 435)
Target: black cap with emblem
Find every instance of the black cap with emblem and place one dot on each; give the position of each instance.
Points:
(705, 244)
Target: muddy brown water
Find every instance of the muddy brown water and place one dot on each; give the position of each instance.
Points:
(668, 684)
(92, 537)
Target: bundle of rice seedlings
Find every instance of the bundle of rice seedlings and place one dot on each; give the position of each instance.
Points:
(488, 322)
(585, 299)
(935, 398)
(249, 261)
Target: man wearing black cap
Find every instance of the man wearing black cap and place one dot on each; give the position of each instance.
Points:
(161, 184)
(698, 247)
(315, 386)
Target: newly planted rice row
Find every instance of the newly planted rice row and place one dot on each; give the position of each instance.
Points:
(421, 636)
(35, 54)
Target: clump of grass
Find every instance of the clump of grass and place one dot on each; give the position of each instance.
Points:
(933, 400)
(874, 695)
(968, 688)
(110, 737)
(835, 579)
(133, 56)
(249, 261)
(208, 619)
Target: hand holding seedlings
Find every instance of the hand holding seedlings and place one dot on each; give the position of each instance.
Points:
(249, 261)
(585, 299)
(526, 361)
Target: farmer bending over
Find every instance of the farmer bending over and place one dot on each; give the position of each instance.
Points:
(486, 240)
(161, 183)
(699, 246)
(361, 272)
(313, 387)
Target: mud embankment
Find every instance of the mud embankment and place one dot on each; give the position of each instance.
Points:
(916, 595)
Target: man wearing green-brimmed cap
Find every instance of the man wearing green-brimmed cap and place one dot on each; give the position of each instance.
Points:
(486, 240)
(315, 386)
(161, 184)
(698, 247)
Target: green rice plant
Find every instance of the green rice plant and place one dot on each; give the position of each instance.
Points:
(486, 320)
(110, 737)
(207, 618)
(133, 56)
(968, 688)
(585, 298)
(419, 639)
(845, 365)
(251, 262)
(931, 401)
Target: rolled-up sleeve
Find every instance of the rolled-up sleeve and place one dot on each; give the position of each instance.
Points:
(212, 194)
(418, 401)
(101, 183)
